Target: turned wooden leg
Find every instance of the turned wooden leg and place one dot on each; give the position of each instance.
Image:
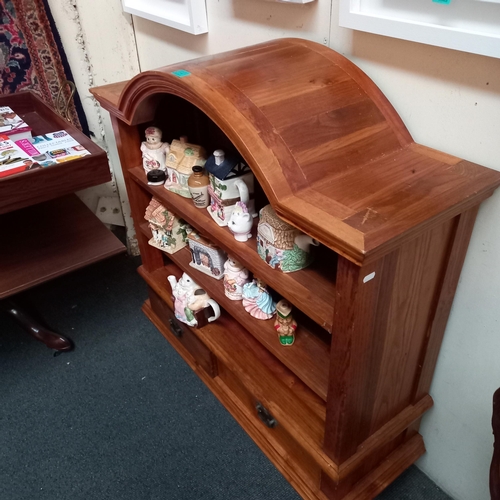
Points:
(495, 463)
(49, 338)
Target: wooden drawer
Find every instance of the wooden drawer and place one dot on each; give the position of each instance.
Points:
(270, 432)
(183, 334)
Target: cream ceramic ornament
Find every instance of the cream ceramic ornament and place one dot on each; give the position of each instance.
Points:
(241, 222)
(180, 160)
(154, 150)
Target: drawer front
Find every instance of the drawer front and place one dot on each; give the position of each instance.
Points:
(272, 431)
(199, 351)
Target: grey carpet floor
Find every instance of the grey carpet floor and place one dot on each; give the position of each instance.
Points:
(122, 416)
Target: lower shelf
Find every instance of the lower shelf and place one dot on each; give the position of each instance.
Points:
(47, 240)
(301, 461)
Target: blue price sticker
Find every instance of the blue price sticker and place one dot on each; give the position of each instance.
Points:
(445, 2)
(181, 73)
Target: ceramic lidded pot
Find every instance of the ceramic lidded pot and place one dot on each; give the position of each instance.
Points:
(169, 231)
(206, 257)
(280, 244)
(231, 180)
(180, 160)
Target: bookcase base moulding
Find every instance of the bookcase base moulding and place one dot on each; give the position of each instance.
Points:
(338, 412)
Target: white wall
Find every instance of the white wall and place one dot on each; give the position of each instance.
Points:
(449, 100)
(99, 42)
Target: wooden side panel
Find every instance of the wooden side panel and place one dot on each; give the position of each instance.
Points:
(128, 143)
(380, 337)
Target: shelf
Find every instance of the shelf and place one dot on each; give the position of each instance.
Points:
(184, 15)
(287, 445)
(43, 184)
(467, 26)
(311, 290)
(48, 240)
(250, 361)
(308, 358)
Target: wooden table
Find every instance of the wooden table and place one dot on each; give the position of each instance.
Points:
(46, 231)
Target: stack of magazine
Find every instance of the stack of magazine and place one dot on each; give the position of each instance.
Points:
(19, 151)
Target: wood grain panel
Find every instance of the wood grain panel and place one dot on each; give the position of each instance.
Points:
(64, 235)
(259, 95)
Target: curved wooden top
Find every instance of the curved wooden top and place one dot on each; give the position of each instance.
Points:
(329, 150)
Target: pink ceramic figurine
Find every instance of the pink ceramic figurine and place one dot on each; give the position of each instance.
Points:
(235, 276)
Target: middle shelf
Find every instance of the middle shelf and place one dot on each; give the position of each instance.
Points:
(312, 290)
(308, 358)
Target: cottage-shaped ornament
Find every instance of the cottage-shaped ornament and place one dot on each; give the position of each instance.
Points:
(231, 180)
(207, 258)
(281, 245)
(169, 232)
(180, 160)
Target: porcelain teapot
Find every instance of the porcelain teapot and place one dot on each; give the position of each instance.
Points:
(190, 298)
(240, 222)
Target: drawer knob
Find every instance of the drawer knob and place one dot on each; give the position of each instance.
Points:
(265, 416)
(175, 328)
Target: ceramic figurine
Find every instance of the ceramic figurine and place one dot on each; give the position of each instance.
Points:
(207, 258)
(235, 276)
(169, 232)
(181, 159)
(198, 184)
(190, 298)
(284, 324)
(154, 150)
(231, 180)
(241, 222)
(281, 245)
(257, 301)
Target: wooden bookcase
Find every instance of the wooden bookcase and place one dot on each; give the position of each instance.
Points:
(394, 219)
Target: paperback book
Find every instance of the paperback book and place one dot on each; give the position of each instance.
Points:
(12, 125)
(13, 159)
(50, 149)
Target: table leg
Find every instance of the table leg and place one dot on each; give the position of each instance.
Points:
(50, 339)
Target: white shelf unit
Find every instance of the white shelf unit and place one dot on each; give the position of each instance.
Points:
(184, 15)
(466, 25)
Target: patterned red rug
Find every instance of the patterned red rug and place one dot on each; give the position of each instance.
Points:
(32, 57)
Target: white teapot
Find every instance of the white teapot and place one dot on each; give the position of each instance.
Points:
(240, 222)
(190, 298)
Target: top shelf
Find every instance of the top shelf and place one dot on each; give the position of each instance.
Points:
(311, 290)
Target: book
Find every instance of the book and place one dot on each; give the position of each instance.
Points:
(13, 159)
(52, 148)
(12, 125)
